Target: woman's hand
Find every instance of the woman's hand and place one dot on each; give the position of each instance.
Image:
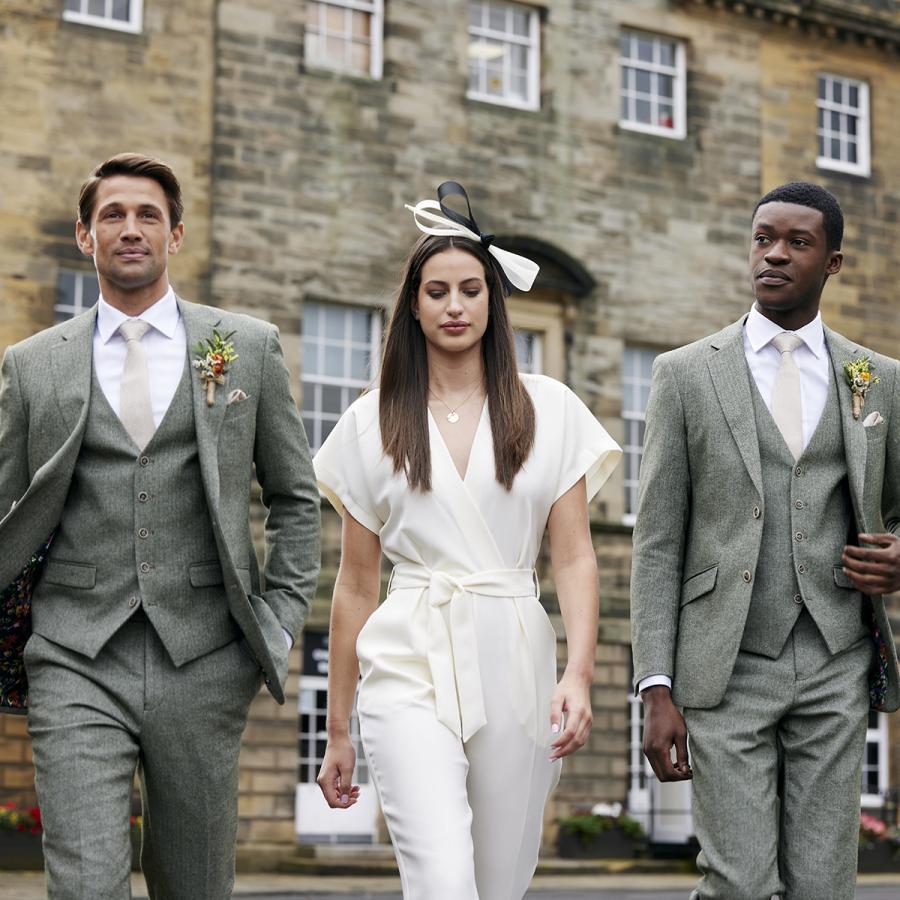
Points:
(337, 772)
(572, 697)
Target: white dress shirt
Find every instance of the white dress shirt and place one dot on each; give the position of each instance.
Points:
(764, 360)
(166, 345)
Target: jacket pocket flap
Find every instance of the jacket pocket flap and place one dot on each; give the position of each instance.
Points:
(699, 584)
(842, 579)
(206, 574)
(68, 574)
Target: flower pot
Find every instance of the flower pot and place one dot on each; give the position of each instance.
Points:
(20, 850)
(879, 856)
(610, 844)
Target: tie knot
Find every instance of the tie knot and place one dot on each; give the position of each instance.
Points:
(786, 342)
(133, 329)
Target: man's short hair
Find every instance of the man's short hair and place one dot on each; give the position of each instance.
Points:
(137, 166)
(804, 193)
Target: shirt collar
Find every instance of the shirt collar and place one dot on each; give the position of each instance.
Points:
(761, 330)
(162, 315)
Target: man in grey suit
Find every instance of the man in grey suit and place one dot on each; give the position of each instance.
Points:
(766, 536)
(128, 438)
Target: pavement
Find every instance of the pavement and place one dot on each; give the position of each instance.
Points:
(670, 886)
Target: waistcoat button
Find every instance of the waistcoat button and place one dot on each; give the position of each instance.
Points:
(132, 602)
(145, 460)
(798, 471)
(756, 512)
(798, 598)
(801, 569)
(799, 535)
(143, 533)
(747, 576)
(143, 496)
(798, 504)
(145, 567)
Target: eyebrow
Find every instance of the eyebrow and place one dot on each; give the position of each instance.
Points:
(117, 204)
(764, 226)
(439, 281)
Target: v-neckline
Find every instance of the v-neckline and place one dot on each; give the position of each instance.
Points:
(462, 476)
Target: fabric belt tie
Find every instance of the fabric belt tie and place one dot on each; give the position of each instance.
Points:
(452, 639)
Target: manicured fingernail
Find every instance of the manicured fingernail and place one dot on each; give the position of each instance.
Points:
(555, 727)
(344, 798)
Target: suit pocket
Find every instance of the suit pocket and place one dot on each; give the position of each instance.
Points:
(70, 574)
(698, 585)
(206, 574)
(842, 579)
(239, 410)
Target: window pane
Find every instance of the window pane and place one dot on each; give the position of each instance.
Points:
(821, 118)
(835, 121)
(643, 81)
(335, 18)
(334, 361)
(821, 146)
(332, 51)
(497, 17)
(823, 85)
(360, 320)
(629, 79)
(494, 79)
(835, 148)
(837, 91)
(475, 13)
(519, 57)
(852, 152)
(360, 57)
(73, 5)
(331, 399)
(121, 11)
(625, 45)
(854, 95)
(97, 8)
(334, 322)
(643, 112)
(645, 49)
(520, 23)
(327, 428)
(851, 124)
(665, 86)
(362, 24)
(666, 118)
(667, 53)
(519, 87)
(359, 364)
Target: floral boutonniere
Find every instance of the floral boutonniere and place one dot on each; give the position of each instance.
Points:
(213, 358)
(860, 378)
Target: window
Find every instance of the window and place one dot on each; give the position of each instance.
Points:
(504, 54)
(345, 35)
(843, 125)
(528, 350)
(875, 761)
(340, 358)
(636, 369)
(120, 15)
(76, 291)
(653, 84)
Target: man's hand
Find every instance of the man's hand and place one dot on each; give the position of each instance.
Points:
(876, 569)
(664, 727)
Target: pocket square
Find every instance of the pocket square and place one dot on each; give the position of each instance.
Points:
(236, 396)
(873, 418)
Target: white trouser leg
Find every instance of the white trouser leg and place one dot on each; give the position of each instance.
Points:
(420, 769)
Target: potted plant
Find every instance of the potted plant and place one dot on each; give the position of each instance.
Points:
(20, 837)
(879, 845)
(602, 831)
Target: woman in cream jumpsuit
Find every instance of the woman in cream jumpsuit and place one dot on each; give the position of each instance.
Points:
(459, 699)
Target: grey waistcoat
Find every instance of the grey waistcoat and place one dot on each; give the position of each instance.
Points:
(135, 533)
(808, 517)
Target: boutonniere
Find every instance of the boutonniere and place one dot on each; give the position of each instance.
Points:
(213, 358)
(860, 378)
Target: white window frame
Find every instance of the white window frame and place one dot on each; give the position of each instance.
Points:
(319, 379)
(879, 737)
(63, 311)
(375, 8)
(639, 771)
(863, 165)
(532, 43)
(133, 26)
(630, 381)
(678, 73)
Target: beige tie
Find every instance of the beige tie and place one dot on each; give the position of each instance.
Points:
(135, 408)
(787, 409)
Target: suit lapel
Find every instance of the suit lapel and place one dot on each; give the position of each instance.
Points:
(731, 380)
(71, 362)
(855, 444)
(199, 322)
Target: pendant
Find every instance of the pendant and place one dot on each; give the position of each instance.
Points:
(453, 417)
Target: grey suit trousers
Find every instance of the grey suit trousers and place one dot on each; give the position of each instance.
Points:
(777, 767)
(93, 722)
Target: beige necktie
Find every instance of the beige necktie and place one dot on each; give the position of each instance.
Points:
(787, 409)
(135, 408)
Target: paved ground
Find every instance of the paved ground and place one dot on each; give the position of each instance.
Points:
(30, 886)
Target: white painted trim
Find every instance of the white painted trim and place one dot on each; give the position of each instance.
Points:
(862, 112)
(133, 26)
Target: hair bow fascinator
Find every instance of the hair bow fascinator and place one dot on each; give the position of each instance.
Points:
(518, 271)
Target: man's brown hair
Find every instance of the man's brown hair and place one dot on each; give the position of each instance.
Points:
(138, 166)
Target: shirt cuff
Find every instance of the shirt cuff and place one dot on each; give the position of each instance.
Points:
(288, 638)
(653, 680)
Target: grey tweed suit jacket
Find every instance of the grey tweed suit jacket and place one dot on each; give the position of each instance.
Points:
(700, 481)
(44, 394)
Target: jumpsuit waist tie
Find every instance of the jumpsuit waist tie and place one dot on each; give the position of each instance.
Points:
(452, 638)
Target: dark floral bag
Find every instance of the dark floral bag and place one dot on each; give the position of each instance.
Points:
(15, 629)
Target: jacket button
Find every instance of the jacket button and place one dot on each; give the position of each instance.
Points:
(798, 471)
(798, 504)
(756, 512)
(132, 602)
(143, 496)
(144, 533)
(798, 598)
(801, 569)
(747, 576)
(145, 460)
(799, 535)
(145, 567)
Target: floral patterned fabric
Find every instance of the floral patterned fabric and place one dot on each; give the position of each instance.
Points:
(15, 629)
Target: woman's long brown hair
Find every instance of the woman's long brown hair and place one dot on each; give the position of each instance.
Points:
(403, 404)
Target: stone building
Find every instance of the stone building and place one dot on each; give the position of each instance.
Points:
(623, 145)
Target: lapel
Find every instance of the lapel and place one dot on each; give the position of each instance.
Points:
(855, 444)
(199, 322)
(731, 381)
(71, 362)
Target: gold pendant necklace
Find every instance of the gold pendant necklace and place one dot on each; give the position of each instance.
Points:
(453, 416)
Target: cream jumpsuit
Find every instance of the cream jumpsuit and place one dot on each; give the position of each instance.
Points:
(459, 662)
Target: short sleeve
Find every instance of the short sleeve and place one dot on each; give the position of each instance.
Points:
(344, 465)
(586, 449)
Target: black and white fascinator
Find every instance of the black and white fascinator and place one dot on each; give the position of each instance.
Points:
(518, 271)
